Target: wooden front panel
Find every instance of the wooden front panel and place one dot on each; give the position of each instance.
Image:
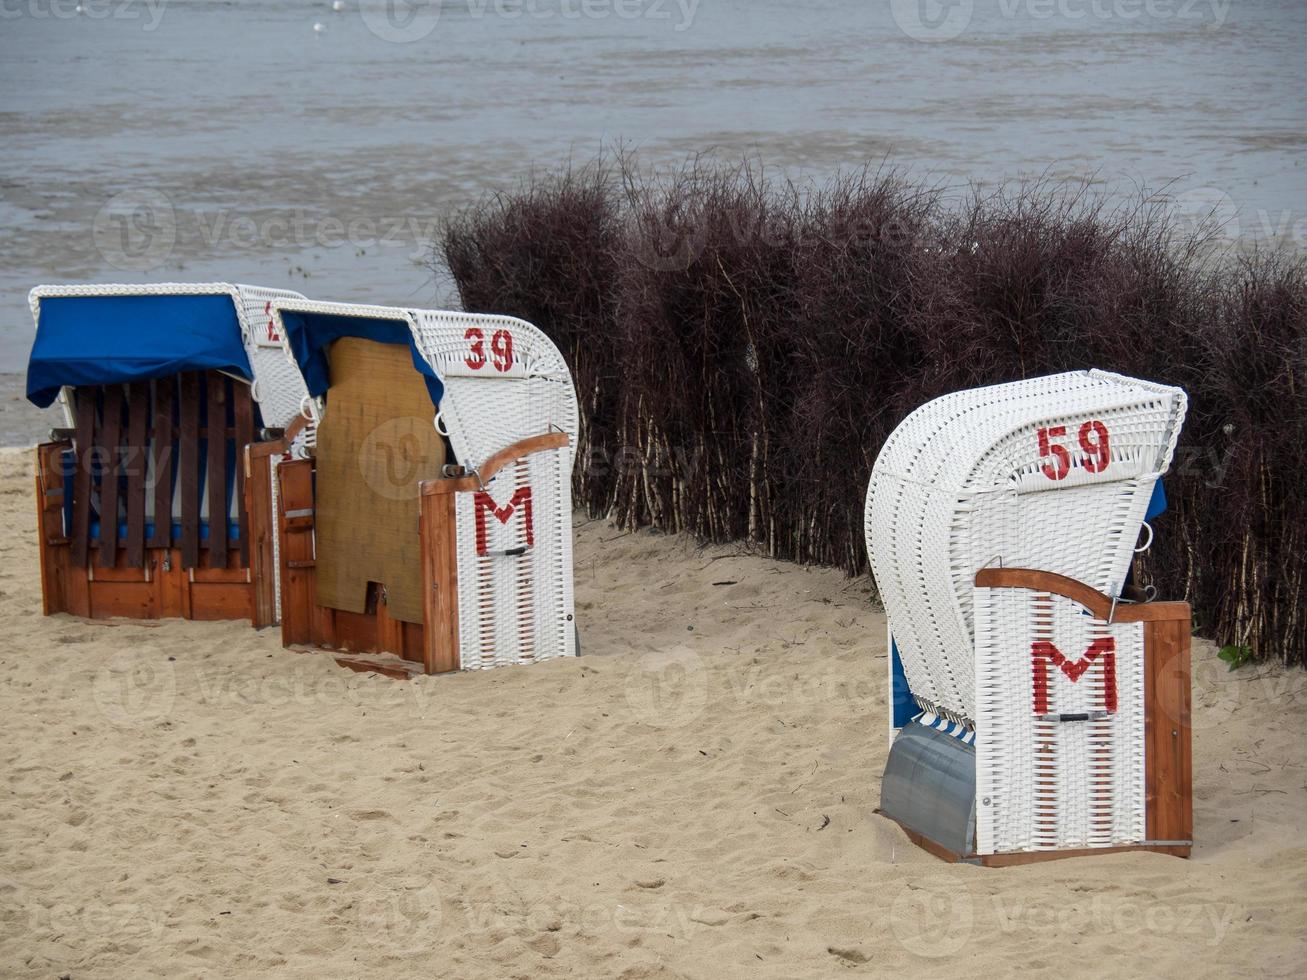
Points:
(260, 522)
(295, 527)
(163, 589)
(304, 622)
(440, 583)
(1167, 735)
(375, 443)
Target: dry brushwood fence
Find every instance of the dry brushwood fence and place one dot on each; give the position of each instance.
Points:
(742, 348)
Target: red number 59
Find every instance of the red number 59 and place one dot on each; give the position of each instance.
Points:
(1094, 442)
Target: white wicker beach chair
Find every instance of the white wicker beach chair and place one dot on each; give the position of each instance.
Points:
(1052, 475)
(503, 384)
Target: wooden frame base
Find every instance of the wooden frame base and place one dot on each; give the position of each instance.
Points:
(160, 588)
(1012, 859)
(1168, 757)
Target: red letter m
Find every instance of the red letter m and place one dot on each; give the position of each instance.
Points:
(483, 502)
(1043, 653)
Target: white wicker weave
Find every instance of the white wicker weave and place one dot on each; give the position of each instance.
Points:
(504, 381)
(517, 608)
(1008, 474)
(1043, 783)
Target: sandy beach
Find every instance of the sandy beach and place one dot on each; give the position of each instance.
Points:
(693, 797)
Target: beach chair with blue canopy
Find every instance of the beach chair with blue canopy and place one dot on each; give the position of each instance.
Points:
(141, 499)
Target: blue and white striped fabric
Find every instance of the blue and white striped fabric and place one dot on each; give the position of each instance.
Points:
(960, 732)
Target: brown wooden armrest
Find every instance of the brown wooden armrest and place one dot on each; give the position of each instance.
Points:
(274, 447)
(464, 484)
(1098, 604)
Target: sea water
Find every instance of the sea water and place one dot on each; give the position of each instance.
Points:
(290, 144)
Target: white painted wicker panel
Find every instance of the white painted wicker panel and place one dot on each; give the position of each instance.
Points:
(517, 609)
(959, 485)
(1044, 784)
(278, 387)
(497, 392)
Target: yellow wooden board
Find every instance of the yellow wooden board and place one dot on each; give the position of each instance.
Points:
(375, 443)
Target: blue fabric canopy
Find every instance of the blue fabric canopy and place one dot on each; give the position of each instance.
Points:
(310, 334)
(1157, 502)
(97, 340)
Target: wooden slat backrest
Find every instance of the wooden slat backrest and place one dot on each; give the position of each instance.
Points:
(188, 463)
(109, 460)
(161, 455)
(124, 438)
(215, 437)
(83, 443)
(138, 421)
(243, 407)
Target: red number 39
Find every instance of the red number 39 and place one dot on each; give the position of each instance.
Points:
(501, 349)
(1094, 442)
